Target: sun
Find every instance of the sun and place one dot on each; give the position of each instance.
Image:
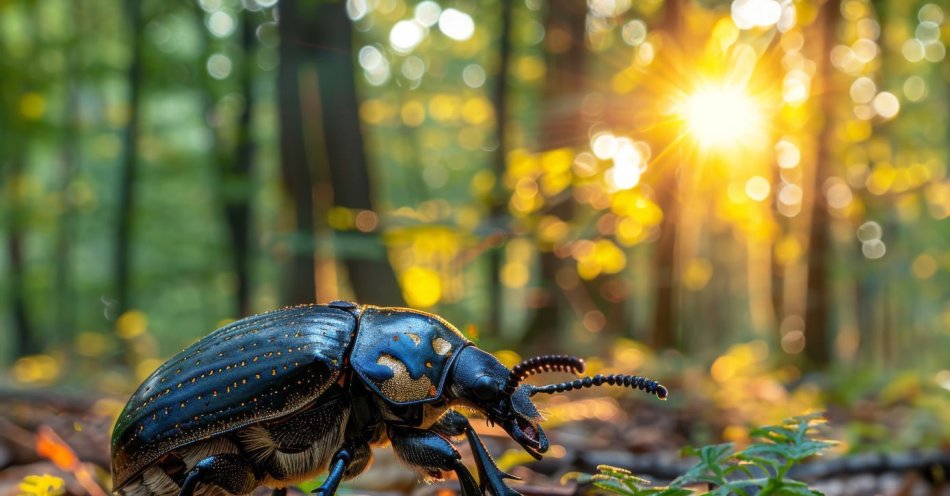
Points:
(721, 117)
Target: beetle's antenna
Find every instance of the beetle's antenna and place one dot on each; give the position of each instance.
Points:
(630, 381)
(545, 363)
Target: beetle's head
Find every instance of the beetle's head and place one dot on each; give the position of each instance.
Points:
(481, 381)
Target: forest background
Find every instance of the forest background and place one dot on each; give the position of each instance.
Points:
(747, 199)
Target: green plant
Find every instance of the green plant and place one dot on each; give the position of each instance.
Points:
(761, 468)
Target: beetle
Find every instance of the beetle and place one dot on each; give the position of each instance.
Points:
(280, 397)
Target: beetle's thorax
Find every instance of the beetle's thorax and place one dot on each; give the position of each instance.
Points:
(404, 355)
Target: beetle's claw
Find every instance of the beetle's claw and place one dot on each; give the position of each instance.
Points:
(492, 480)
(500, 489)
(490, 477)
(322, 491)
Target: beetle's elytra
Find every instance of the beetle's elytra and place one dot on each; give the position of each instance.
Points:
(278, 398)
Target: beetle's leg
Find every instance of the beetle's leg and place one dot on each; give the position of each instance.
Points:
(452, 424)
(455, 424)
(337, 466)
(230, 472)
(431, 454)
(348, 462)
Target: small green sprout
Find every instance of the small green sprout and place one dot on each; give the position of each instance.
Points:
(760, 469)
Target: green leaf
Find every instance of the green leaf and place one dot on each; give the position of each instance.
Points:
(670, 491)
(789, 487)
(763, 463)
(614, 486)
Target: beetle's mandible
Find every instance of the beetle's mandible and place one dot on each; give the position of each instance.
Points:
(280, 397)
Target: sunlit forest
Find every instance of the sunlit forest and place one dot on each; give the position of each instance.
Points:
(745, 200)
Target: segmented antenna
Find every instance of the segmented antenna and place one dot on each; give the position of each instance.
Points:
(545, 363)
(630, 381)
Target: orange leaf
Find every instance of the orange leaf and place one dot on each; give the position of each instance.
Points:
(50, 445)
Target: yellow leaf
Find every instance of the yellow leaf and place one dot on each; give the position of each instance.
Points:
(41, 485)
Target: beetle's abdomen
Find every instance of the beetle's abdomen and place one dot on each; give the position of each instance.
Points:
(297, 449)
(256, 369)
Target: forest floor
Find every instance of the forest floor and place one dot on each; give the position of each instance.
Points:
(45, 433)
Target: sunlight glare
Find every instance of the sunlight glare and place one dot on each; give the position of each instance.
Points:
(721, 116)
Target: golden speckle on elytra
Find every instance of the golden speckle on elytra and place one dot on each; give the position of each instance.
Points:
(441, 346)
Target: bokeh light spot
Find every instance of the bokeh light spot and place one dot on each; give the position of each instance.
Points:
(886, 104)
(406, 35)
(924, 266)
(221, 24)
(748, 14)
(427, 13)
(873, 249)
(758, 188)
(219, 66)
(787, 154)
(869, 231)
(473, 75)
(421, 287)
(456, 24)
(131, 324)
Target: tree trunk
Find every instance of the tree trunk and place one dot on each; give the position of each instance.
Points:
(130, 163)
(663, 334)
(818, 299)
(66, 309)
(25, 342)
(561, 124)
(370, 275)
(297, 177)
(499, 210)
(237, 174)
